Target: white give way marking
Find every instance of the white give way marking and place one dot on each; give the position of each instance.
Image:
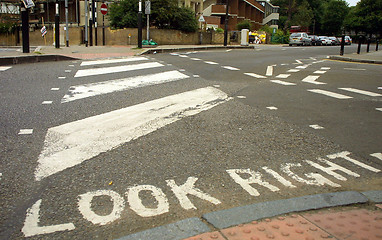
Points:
(70, 144)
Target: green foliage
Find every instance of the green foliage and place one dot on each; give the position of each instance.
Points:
(334, 15)
(304, 15)
(165, 14)
(243, 25)
(8, 27)
(267, 29)
(366, 17)
(280, 37)
(220, 30)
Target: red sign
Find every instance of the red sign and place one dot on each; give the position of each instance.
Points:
(103, 8)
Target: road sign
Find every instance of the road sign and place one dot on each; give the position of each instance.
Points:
(43, 31)
(147, 7)
(104, 9)
(201, 19)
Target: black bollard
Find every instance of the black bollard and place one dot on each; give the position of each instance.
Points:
(359, 44)
(368, 45)
(376, 46)
(342, 45)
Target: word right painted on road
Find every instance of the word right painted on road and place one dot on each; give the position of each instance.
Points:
(251, 181)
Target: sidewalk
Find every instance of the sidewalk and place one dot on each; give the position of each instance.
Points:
(14, 55)
(371, 57)
(340, 215)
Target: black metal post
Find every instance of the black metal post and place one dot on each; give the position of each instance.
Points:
(25, 29)
(342, 45)
(103, 30)
(226, 24)
(95, 22)
(57, 25)
(140, 24)
(376, 46)
(368, 45)
(359, 44)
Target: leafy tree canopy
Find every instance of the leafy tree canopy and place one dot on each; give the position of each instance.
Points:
(165, 14)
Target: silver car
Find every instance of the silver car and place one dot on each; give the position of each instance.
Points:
(300, 38)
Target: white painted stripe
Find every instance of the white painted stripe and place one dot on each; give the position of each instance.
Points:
(355, 69)
(68, 71)
(4, 68)
(106, 70)
(298, 61)
(231, 68)
(293, 70)
(254, 75)
(379, 109)
(283, 75)
(61, 77)
(325, 68)
(94, 89)
(345, 156)
(195, 76)
(272, 108)
(319, 72)
(314, 59)
(70, 144)
(279, 178)
(71, 65)
(47, 102)
(269, 71)
(55, 89)
(195, 59)
(183, 56)
(209, 62)
(329, 94)
(283, 82)
(315, 126)
(284, 64)
(303, 66)
(361, 92)
(229, 50)
(242, 97)
(312, 79)
(377, 155)
(25, 131)
(109, 61)
(174, 54)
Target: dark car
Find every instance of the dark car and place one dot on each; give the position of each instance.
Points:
(316, 41)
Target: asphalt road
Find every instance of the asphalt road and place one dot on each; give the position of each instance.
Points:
(172, 136)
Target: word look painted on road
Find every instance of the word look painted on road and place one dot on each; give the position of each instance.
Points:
(246, 178)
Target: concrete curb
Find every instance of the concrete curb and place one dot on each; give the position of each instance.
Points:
(165, 50)
(33, 59)
(347, 59)
(231, 217)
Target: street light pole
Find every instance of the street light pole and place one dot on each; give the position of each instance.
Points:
(226, 25)
(140, 24)
(66, 23)
(25, 28)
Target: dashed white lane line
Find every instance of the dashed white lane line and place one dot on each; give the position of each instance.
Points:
(231, 68)
(195, 76)
(174, 54)
(55, 89)
(272, 108)
(99, 88)
(283, 75)
(4, 68)
(379, 109)
(46, 102)
(212, 63)
(107, 70)
(319, 72)
(241, 97)
(71, 65)
(315, 126)
(269, 71)
(293, 70)
(377, 155)
(312, 79)
(229, 50)
(183, 56)
(283, 82)
(355, 69)
(325, 68)
(109, 61)
(84, 139)
(372, 94)
(68, 71)
(195, 59)
(298, 61)
(329, 94)
(25, 131)
(302, 67)
(254, 75)
(61, 77)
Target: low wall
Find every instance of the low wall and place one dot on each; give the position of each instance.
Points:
(127, 36)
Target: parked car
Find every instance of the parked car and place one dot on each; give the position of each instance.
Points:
(300, 38)
(335, 41)
(348, 40)
(325, 40)
(316, 41)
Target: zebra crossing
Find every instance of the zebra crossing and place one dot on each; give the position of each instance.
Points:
(3, 68)
(84, 139)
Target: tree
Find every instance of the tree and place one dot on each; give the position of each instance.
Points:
(366, 17)
(304, 15)
(335, 12)
(165, 14)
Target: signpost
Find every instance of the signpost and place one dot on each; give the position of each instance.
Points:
(104, 12)
(147, 12)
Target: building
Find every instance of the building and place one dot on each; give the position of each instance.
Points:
(271, 16)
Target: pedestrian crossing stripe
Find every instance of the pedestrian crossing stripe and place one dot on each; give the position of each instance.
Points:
(329, 94)
(4, 68)
(371, 94)
(109, 61)
(94, 89)
(116, 69)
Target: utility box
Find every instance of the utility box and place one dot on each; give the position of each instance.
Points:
(244, 37)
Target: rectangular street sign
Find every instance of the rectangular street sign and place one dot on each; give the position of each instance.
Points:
(147, 7)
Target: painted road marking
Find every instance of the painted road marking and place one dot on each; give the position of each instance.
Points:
(319, 72)
(106, 70)
(195, 59)
(283, 75)
(84, 139)
(283, 82)
(94, 89)
(212, 63)
(109, 61)
(55, 89)
(315, 126)
(345, 155)
(68, 71)
(272, 108)
(46, 102)
(32, 219)
(298, 61)
(242, 97)
(355, 69)
(377, 155)
(379, 109)
(293, 70)
(361, 92)
(329, 94)
(174, 54)
(302, 67)
(25, 131)
(269, 71)
(61, 77)
(325, 68)
(195, 76)
(254, 75)
(231, 68)
(183, 56)
(312, 79)
(229, 50)
(4, 68)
